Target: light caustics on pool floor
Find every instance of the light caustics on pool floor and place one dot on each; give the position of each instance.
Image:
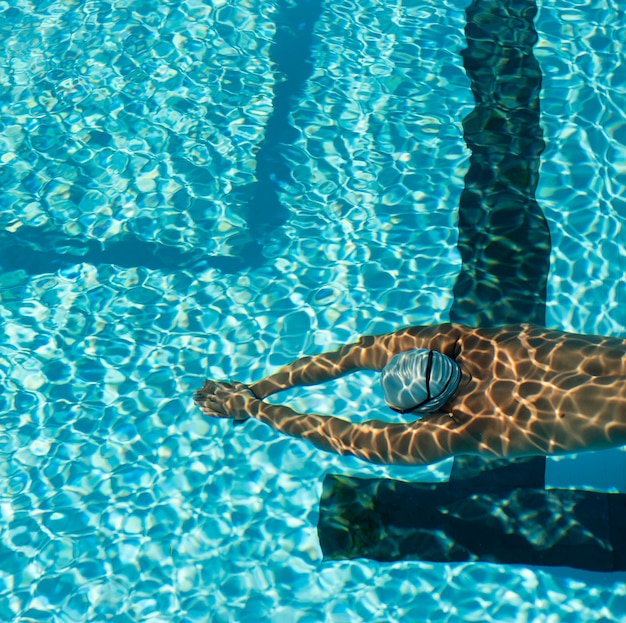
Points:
(139, 123)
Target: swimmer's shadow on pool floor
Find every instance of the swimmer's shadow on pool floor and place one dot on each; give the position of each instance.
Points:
(502, 515)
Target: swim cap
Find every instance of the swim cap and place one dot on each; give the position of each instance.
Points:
(419, 380)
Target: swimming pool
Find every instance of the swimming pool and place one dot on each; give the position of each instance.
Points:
(138, 257)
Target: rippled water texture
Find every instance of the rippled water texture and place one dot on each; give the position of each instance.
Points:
(139, 123)
(583, 174)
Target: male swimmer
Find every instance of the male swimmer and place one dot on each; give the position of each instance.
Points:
(516, 390)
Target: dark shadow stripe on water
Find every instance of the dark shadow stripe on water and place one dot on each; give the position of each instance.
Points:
(291, 56)
(38, 251)
(492, 510)
(504, 238)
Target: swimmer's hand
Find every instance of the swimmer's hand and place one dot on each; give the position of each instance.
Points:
(220, 399)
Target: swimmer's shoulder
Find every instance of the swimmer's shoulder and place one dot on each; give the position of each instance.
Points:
(449, 338)
(471, 339)
(442, 337)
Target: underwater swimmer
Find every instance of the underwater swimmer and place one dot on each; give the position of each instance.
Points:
(515, 390)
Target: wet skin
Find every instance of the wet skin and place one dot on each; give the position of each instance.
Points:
(525, 391)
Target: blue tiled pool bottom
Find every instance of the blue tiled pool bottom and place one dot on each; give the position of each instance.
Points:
(117, 499)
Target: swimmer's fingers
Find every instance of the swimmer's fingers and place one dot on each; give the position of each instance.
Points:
(221, 388)
(224, 400)
(213, 387)
(209, 391)
(209, 404)
(206, 410)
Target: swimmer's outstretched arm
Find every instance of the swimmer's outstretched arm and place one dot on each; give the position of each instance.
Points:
(418, 443)
(369, 353)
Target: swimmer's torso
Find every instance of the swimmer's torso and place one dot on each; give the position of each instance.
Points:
(533, 390)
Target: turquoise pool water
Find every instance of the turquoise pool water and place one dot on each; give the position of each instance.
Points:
(133, 135)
